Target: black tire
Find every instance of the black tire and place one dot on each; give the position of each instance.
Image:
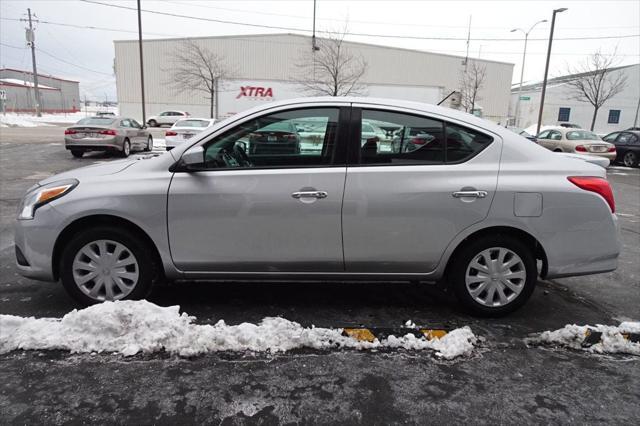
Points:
(630, 159)
(152, 123)
(139, 249)
(458, 266)
(126, 148)
(77, 153)
(149, 146)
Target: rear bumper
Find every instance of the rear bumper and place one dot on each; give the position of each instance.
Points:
(608, 155)
(106, 144)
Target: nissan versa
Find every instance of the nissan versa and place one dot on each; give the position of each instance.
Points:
(440, 195)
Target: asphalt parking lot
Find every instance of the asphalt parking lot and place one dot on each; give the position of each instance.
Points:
(505, 381)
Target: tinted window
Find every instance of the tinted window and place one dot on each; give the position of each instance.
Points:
(614, 116)
(100, 121)
(544, 135)
(575, 135)
(554, 135)
(408, 139)
(125, 123)
(611, 137)
(627, 138)
(274, 141)
(192, 123)
(134, 123)
(463, 143)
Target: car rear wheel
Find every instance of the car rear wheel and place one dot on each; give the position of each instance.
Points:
(77, 153)
(106, 263)
(493, 275)
(149, 146)
(630, 159)
(153, 123)
(126, 148)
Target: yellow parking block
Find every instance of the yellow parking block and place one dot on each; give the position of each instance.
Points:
(431, 334)
(360, 334)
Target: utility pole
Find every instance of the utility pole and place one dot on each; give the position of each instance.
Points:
(466, 56)
(144, 115)
(31, 41)
(314, 46)
(524, 56)
(546, 67)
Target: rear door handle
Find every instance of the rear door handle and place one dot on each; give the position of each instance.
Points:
(474, 194)
(310, 194)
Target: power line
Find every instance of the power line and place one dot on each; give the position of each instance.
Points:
(183, 3)
(222, 21)
(90, 27)
(75, 65)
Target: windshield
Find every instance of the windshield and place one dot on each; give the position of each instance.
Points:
(99, 121)
(582, 135)
(192, 123)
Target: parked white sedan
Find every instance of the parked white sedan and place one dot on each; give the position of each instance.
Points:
(184, 130)
(578, 141)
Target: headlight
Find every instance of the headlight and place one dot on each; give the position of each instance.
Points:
(43, 195)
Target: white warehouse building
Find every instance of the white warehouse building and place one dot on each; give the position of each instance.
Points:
(266, 68)
(560, 106)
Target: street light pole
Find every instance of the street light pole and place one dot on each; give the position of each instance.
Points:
(524, 57)
(144, 116)
(546, 67)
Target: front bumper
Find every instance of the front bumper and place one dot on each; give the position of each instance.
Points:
(35, 240)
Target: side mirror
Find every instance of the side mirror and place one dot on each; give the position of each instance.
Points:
(190, 160)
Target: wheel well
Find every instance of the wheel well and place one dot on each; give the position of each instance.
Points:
(557, 150)
(97, 220)
(519, 234)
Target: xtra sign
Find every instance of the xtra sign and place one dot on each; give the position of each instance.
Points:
(255, 92)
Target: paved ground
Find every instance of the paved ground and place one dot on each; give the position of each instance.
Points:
(504, 382)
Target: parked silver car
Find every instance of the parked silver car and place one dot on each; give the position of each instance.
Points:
(111, 134)
(472, 205)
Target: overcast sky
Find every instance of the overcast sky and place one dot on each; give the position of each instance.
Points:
(86, 54)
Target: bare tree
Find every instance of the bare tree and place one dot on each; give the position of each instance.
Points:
(471, 81)
(197, 69)
(595, 81)
(332, 68)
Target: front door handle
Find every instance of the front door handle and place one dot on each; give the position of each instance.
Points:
(465, 194)
(310, 194)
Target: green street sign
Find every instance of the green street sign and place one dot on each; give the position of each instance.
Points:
(525, 98)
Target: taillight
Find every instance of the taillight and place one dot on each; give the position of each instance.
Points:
(108, 132)
(170, 133)
(595, 184)
(69, 132)
(612, 149)
(581, 148)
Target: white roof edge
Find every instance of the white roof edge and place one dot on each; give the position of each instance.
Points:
(381, 46)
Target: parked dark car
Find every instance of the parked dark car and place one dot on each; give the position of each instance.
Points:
(627, 144)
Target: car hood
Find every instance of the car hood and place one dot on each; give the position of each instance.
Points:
(104, 169)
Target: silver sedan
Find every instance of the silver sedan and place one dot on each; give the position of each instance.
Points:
(119, 135)
(471, 205)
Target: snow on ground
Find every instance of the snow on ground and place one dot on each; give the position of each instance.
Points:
(131, 327)
(30, 120)
(612, 340)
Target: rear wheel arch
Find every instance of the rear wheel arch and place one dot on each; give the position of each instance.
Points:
(529, 240)
(88, 222)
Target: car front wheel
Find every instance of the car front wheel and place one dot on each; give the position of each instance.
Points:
(149, 146)
(106, 263)
(493, 275)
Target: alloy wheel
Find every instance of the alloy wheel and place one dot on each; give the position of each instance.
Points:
(105, 270)
(629, 159)
(495, 277)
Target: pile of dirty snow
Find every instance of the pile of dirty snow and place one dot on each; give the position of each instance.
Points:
(131, 327)
(613, 339)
